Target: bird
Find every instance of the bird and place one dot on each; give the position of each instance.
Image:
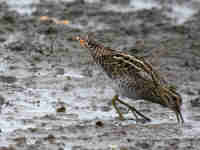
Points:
(134, 77)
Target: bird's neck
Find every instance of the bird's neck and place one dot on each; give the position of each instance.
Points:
(96, 50)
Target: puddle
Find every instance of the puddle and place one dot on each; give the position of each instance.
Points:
(11, 125)
(72, 74)
(4, 142)
(24, 7)
(68, 146)
(134, 5)
(26, 105)
(181, 13)
(3, 65)
(144, 4)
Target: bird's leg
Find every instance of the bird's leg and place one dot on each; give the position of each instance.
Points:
(114, 99)
(179, 117)
(134, 110)
(135, 114)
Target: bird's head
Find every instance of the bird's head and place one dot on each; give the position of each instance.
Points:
(82, 40)
(85, 41)
(172, 100)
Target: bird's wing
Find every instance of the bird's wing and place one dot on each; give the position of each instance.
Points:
(127, 66)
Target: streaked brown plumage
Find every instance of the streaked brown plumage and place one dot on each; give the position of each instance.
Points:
(134, 78)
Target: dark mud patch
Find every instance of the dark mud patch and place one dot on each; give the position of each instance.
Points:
(54, 97)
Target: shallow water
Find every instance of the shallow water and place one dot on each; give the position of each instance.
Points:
(144, 4)
(181, 13)
(24, 7)
(30, 103)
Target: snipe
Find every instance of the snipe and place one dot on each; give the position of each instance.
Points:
(134, 77)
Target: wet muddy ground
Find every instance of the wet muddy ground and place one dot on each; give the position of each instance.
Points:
(53, 97)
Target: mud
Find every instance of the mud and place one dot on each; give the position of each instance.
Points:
(52, 95)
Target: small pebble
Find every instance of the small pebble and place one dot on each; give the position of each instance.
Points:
(195, 102)
(99, 124)
(61, 109)
(51, 138)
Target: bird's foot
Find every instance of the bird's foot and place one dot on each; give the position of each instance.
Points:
(121, 117)
(136, 113)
